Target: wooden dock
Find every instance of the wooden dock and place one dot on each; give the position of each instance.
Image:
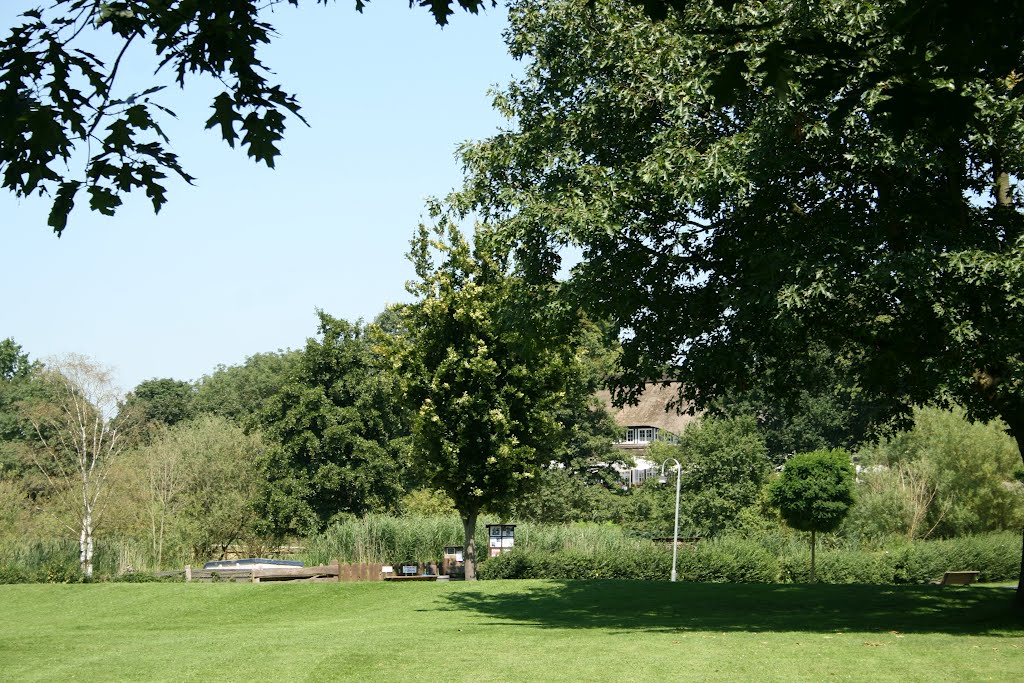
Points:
(335, 571)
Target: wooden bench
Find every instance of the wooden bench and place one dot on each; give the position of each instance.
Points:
(957, 578)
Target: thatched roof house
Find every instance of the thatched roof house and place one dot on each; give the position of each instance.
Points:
(649, 420)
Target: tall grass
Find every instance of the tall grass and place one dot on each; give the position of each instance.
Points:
(383, 539)
(56, 560)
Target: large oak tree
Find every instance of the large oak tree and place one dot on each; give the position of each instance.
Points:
(750, 181)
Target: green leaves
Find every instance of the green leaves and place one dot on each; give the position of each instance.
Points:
(225, 116)
(53, 96)
(751, 184)
(487, 358)
(63, 203)
(441, 9)
(339, 430)
(815, 490)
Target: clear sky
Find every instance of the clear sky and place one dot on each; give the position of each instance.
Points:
(238, 263)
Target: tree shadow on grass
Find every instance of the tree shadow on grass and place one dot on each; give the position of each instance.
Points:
(632, 606)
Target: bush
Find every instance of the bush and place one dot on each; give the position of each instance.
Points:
(995, 556)
(511, 565)
(9, 574)
(650, 564)
(946, 477)
(728, 560)
(837, 566)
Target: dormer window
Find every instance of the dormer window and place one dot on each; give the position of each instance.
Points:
(641, 435)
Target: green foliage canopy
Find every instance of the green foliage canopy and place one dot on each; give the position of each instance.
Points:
(16, 371)
(193, 491)
(744, 192)
(339, 432)
(725, 465)
(163, 401)
(474, 371)
(825, 412)
(238, 391)
(14, 362)
(944, 477)
(815, 490)
(488, 360)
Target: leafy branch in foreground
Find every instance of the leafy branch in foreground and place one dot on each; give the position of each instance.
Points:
(60, 105)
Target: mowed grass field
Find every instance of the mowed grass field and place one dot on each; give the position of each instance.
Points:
(508, 631)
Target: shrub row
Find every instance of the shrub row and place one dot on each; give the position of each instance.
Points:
(738, 560)
(648, 564)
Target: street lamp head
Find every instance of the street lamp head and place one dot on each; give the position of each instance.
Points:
(663, 479)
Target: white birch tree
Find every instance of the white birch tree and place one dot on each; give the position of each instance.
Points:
(81, 432)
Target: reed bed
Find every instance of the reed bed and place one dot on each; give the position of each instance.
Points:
(384, 539)
(56, 560)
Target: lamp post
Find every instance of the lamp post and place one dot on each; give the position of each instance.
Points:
(663, 479)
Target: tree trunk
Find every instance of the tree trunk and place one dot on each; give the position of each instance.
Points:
(1019, 599)
(469, 552)
(813, 544)
(81, 547)
(85, 546)
(1017, 432)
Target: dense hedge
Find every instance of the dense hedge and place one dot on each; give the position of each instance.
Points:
(738, 560)
(649, 564)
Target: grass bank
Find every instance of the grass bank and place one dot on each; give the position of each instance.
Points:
(509, 631)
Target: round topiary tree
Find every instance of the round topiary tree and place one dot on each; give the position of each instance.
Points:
(814, 492)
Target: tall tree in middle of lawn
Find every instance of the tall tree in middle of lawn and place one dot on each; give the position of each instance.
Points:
(487, 357)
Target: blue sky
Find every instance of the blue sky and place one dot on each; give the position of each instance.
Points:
(238, 263)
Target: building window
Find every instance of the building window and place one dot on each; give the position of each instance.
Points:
(637, 475)
(641, 435)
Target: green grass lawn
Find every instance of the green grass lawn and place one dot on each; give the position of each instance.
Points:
(508, 631)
